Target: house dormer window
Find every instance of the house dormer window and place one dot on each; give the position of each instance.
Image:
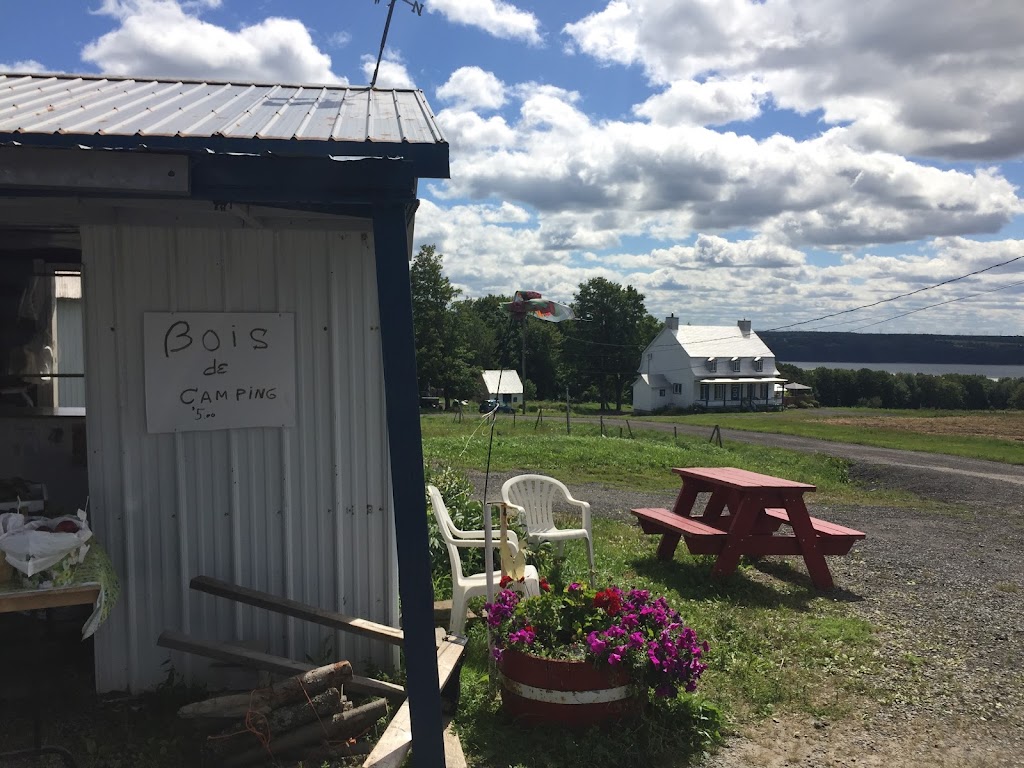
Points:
(758, 365)
(735, 362)
(712, 365)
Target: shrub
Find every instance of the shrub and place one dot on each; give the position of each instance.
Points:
(457, 492)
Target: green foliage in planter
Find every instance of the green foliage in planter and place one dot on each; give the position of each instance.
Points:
(457, 492)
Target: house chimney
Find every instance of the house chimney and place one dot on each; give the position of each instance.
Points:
(672, 322)
(744, 327)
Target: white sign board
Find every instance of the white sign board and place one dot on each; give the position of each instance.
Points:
(219, 370)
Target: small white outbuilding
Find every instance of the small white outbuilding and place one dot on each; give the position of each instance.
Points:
(502, 385)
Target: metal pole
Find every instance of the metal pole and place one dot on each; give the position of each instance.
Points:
(523, 366)
(568, 429)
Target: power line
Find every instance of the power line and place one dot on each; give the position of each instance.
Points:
(900, 296)
(833, 314)
(939, 304)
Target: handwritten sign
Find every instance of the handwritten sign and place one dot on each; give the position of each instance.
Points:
(219, 370)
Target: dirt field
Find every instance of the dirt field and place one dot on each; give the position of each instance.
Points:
(1007, 425)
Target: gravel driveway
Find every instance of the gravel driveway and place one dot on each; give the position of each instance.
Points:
(945, 589)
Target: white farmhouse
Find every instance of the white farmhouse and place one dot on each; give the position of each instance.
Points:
(711, 366)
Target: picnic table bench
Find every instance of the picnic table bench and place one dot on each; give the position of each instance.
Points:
(758, 506)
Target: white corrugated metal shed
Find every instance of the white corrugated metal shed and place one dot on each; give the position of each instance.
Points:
(228, 198)
(509, 381)
(303, 512)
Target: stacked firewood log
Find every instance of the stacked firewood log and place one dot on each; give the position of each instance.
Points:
(306, 717)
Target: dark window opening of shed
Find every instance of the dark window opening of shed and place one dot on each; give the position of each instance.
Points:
(42, 366)
(42, 361)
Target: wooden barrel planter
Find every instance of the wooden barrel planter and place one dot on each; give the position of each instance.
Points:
(538, 691)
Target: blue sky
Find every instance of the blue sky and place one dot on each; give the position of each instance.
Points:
(778, 160)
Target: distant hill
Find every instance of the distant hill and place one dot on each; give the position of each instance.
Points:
(823, 347)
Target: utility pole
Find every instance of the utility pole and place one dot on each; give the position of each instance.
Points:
(523, 366)
(568, 428)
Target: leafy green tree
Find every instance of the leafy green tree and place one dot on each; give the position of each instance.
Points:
(486, 330)
(442, 352)
(1016, 398)
(603, 347)
(825, 386)
(949, 394)
(544, 364)
(795, 375)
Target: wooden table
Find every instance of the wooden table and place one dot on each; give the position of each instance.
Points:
(742, 517)
(12, 600)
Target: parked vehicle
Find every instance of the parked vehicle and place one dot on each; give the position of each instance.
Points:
(489, 405)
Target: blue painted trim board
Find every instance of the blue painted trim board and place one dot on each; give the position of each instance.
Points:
(415, 587)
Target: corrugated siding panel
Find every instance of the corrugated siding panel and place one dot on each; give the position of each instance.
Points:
(303, 512)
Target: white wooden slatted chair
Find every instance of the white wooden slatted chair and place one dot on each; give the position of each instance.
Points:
(534, 497)
(475, 585)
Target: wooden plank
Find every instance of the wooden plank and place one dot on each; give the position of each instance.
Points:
(38, 599)
(821, 527)
(370, 686)
(733, 477)
(688, 526)
(299, 610)
(396, 741)
(236, 654)
(454, 757)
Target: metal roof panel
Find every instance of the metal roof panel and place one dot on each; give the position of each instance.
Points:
(48, 105)
(723, 341)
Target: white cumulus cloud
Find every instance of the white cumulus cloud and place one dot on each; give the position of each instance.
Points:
(392, 72)
(24, 65)
(928, 77)
(474, 88)
(495, 17)
(168, 38)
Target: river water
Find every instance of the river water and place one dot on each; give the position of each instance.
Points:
(935, 369)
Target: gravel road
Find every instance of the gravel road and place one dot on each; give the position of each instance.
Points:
(946, 591)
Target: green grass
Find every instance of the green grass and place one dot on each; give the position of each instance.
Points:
(642, 463)
(776, 645)
(809, 423)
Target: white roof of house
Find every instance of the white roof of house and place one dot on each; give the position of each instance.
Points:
(723, 341)
(510, 383)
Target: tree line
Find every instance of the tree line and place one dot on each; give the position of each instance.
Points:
(879, 389)
(593, 358)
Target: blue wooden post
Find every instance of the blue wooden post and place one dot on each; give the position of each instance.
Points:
(415, 587)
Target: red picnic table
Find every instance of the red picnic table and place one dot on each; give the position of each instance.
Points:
(758, 506)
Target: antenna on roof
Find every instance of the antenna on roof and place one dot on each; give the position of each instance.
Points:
(417, 8)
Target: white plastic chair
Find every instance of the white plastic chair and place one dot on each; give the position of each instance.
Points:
(475, 585)
(534, 497)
